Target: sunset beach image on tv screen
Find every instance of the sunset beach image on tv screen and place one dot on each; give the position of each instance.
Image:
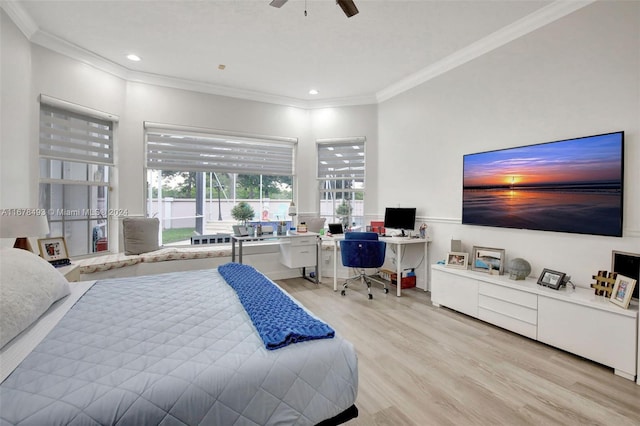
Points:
(574, 185)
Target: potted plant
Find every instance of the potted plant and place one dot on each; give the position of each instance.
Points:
(242, 212)
(343, 211)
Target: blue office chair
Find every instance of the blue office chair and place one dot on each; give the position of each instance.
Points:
(362, 250)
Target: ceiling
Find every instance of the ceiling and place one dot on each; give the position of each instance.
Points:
(277, 55)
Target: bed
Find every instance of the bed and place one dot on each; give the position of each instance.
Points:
(173, 349)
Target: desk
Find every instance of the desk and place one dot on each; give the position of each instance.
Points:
(399, 242)
(290, 249)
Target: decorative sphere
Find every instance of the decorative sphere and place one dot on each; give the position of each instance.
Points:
(519, 269)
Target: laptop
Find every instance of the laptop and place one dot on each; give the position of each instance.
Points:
(240, 231)
(336, 228)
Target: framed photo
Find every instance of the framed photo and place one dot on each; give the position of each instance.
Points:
(552, 279)
(622, 291)
(457, 260)
(486, 259)
(52, 249)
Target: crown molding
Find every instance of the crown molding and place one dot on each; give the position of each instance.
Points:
(517, 29)
(21, 18)
(212, 89)
(529, 23)
(75, 52)
(231, 92)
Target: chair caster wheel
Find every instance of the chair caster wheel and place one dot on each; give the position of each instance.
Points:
(370, 296)
(344, 293)
(386, 290)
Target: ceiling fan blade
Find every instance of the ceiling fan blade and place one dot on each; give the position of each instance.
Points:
(277, 3)
(348, 7)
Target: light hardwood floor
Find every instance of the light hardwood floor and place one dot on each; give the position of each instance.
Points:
(421, 365)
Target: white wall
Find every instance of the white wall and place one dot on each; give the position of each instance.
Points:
(575, 77)
(16, 154)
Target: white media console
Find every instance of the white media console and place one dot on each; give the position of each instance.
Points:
(577, 320)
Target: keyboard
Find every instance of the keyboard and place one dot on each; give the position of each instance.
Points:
(60, 263)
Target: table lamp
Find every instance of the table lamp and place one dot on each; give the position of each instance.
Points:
(22, 227)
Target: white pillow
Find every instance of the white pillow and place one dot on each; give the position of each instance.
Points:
(28, 287)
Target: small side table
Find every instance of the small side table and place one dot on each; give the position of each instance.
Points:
(70, 272)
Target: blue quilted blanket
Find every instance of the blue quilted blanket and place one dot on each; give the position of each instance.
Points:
(277, 318)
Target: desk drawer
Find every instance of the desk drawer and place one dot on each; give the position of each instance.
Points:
(297, 256)
(301, 241)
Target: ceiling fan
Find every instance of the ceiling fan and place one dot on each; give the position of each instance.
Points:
(348, 6)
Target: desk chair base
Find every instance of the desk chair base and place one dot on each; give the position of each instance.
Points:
(364, 279)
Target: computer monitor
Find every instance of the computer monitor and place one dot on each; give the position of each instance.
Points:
(336, 228)
(403, 218)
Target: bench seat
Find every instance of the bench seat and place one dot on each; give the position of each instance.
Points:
(120, 260)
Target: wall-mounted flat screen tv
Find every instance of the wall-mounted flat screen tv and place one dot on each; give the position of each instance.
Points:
(573, 185)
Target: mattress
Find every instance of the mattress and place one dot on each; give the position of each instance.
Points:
(174, 349)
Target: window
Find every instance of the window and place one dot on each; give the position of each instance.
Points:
(341, 171)
(195, 178)
(76, 157)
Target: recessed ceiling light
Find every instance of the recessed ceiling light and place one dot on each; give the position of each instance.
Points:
(133, 57)
(313, 92)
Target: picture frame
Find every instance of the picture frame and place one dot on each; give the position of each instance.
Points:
(622, 291)
(53, 249)
(551, 279)
(488, 259)
(457, 260)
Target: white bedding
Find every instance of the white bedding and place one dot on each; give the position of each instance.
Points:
(174, 348)
(16, 350)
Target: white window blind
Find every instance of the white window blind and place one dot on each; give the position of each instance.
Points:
(66, 135)
(341, 175)
(199, 150)
(341, 159)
